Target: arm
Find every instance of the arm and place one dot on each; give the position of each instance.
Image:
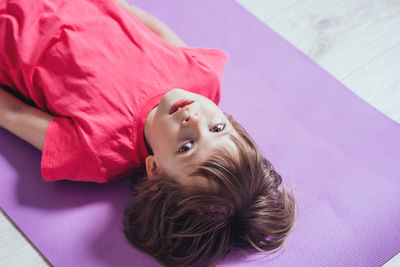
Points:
(154, 24)
(24, 121)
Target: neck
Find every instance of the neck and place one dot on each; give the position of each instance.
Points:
(147, 129)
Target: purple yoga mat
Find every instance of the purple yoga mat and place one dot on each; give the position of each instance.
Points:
(339, 154)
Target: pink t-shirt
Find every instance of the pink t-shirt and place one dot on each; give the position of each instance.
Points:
(99, 71)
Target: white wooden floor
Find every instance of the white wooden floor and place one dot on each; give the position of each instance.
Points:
(358, 42)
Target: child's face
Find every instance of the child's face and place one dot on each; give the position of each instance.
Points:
(185, 137)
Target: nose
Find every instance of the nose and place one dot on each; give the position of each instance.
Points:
(192, 121)
(191, 118)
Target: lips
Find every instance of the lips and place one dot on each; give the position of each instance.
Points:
(179, 104)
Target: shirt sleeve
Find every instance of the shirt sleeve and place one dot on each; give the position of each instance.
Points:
(215, 59)
(10, 60)
(23, 41)
(65, 155)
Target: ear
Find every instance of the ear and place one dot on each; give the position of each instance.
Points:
(151, 168)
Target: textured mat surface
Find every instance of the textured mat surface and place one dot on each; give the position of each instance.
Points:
(340, 155)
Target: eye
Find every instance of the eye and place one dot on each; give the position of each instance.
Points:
(218, 128)
(186, 147)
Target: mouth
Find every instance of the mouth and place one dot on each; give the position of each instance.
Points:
(179, 104)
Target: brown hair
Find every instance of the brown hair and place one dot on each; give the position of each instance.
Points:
(192, 226)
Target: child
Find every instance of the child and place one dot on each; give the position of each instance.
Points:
(113, 92)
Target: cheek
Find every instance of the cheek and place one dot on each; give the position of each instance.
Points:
(166, 134)
(164, 137)
(167, 129)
